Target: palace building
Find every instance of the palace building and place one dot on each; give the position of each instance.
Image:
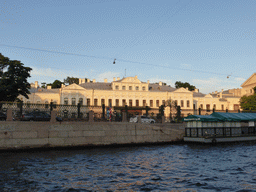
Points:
(132, 92)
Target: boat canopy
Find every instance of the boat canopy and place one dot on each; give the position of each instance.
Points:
(217, 116)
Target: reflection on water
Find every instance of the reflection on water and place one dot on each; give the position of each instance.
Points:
(148, 168)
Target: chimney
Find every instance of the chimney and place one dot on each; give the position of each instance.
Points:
(63, 85)
(221, 93)
(160, 83)
(83, 81)
(118, 78)
(36, 84)
(114, 79)
(136, 77)
(88, 80)
(49, 87)
(105, 80)
(80, 81)
(93, 80)
(148, 82)
(197, 90)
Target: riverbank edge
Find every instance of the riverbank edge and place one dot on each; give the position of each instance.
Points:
(24, 136)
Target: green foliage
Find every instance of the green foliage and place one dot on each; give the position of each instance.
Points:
(56, 84)
(179, 84)
(71, 80)
(248, 102)
(13, 79)
(43, 85)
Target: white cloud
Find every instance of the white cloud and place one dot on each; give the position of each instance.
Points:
(240, 79)
(156, 80)
(186, 66)
(108, 75)
(216, 84)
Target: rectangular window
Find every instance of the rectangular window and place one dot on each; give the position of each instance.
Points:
(201, 106)
(102, 101)
(157, 103)
(176, 102)
(117, 102)
(88, 102)
(144, 103)
(222, 107)
(143, 88)
(137, 88)
(81, 101)
(117, 87)
(123, 88)
(188, 103)
(123, 102)
(137, 103)
(130, 103)
(130, 87)
(182, 103)
(73, 101)
(151, 103)
(110, 102)
(95, 102)
(65, 101)
(163, 102)
(208, 107)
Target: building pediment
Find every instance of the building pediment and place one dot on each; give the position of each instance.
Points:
(208, 96)
(73, 87)
(130, 80)
(250, 81)
(182, 90)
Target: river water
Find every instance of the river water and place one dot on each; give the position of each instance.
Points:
(183, 167)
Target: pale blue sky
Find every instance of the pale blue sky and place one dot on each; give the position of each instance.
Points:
(195, 41)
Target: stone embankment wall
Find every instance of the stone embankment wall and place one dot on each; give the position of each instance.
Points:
(22, 135)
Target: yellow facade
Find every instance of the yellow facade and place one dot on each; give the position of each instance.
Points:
(135, 93)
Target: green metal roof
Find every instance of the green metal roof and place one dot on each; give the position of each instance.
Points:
(200, 118)
(216, 116)
(235, 116)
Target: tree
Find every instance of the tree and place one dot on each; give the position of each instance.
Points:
(13, 79)
(71, 80)
(173, 108)
(248, 102)
(43, 85)
(56, 84)
(179, 84)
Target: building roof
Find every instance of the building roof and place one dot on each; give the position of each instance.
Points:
(160, 88)
(217, 116)
(96, 85)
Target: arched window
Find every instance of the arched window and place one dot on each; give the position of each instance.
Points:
(143, 88)
(182, 103)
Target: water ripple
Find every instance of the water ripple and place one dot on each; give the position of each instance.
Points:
(149, 168)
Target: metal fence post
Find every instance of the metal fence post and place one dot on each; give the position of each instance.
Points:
(103, 111)
(78, 110)
(147, 108)
(51, 107)
(21, 108)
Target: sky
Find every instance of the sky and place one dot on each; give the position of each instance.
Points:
(201, 42)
